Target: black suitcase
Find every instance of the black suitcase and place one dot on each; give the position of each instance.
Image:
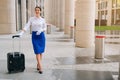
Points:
(15, 60)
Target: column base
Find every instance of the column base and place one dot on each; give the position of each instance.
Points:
(84, 38)
(7, 28)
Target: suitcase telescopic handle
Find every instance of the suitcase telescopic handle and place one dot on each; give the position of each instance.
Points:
(13, 37)
(16, 36)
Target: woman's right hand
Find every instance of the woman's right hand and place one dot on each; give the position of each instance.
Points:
(21, 33)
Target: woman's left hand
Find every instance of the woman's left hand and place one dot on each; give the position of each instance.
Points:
(38, 32)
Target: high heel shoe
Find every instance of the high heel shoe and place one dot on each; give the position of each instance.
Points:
(40, 72)
(37, 68)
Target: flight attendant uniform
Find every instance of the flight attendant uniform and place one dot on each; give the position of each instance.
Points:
(38, 26)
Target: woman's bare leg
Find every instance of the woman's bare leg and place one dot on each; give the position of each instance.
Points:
(38, 58)
(41, 57)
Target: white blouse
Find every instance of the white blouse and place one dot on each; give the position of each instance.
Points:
(36, 24)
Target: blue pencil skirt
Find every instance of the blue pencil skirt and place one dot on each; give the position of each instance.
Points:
(38, 42)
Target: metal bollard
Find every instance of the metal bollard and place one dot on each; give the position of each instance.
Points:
(71, 32)
(99, 47)
(48, 28)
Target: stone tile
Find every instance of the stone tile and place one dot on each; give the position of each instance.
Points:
(61, 61)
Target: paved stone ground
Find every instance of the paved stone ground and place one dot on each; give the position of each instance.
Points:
(61, 55)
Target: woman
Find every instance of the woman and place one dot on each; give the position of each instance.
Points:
(38, 37)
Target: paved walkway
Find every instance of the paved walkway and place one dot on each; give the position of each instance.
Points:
(61, 61)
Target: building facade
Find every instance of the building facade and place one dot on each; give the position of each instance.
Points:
(108, 12)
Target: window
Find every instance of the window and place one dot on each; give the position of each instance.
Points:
(118, 3)
(118, 14)
(106, 4)
(98, 5)
(113, 3)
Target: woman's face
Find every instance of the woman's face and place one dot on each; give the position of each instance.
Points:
(37, 11)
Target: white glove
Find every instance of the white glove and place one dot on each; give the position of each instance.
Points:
(21, 33)
(38, 32)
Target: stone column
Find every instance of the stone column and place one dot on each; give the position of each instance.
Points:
(62, 14)
(29, 9)
(42, 7)
(57, 13)
(109, 14)
(33, 5)
(69, 15)
(8, 17)
(29, 13)
(47, 11)
(55, 5)
(85, 22)
(17, 15)
(23, 8)
(38, 3)
(51, 11)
